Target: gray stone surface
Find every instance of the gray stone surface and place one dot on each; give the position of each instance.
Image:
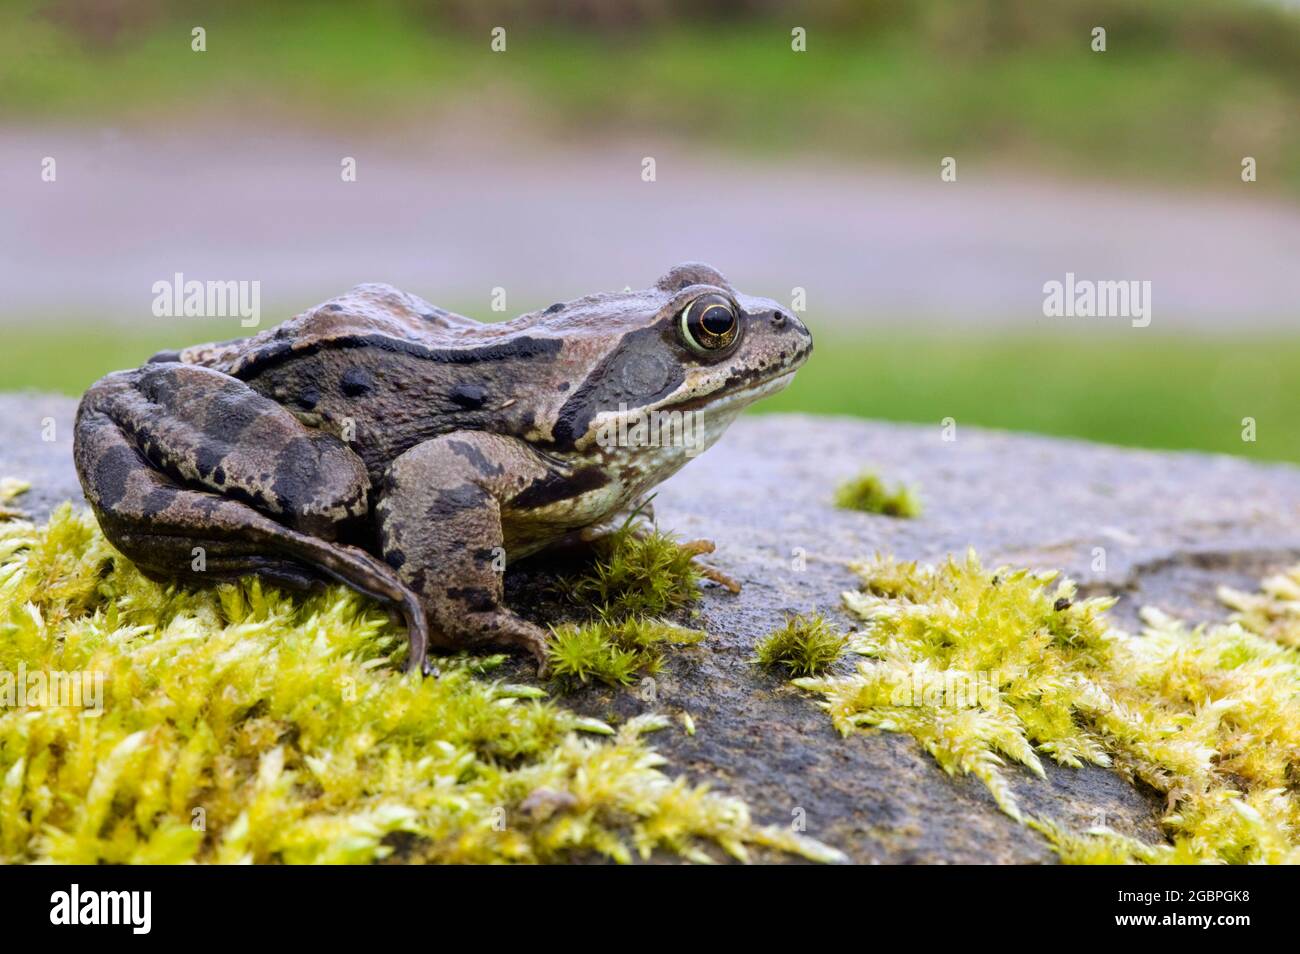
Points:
(1173, 526)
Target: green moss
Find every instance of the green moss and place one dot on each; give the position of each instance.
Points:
(1274, 612)
(648, 574)
(891, 81)
(985, 667)
(10, 489)
(240, 724)
(805, 646)
(614, 652)
(1099, 846)
(868, 493)
(638, 577)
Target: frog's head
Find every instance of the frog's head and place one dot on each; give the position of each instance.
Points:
(691, 347)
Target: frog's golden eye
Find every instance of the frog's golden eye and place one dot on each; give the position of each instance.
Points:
(709, 324)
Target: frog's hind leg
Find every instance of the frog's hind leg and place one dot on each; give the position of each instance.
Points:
(164, 525)
(210, 431)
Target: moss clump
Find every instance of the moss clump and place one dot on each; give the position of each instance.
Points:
(11, 488)
(868, 494)
(982, 667)
(637, 578)
(1274, 612)
(805, 646)
(614, 652)
(238, 724)
(648, 574)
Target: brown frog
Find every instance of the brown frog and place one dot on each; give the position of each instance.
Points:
(408, 452)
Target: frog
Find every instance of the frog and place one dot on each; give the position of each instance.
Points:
(411, 453)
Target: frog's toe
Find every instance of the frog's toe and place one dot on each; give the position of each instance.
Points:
(534, 641)
(717, 576)
(418, 659)
(698, 547)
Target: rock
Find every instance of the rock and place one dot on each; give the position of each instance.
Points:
(1171, 527)
(36, 446)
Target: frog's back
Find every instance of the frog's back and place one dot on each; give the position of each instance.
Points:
(387, 368)
(368, 315)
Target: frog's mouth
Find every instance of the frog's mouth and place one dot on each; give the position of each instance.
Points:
(736, 399)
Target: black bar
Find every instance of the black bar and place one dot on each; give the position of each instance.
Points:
(302, 904)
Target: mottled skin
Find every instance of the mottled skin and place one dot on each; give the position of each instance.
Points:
(404, 450)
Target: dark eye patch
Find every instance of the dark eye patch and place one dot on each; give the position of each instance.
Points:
(639, 371)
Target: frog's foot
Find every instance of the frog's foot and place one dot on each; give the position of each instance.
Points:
(440, 528)
(520, 634)
(697, 547)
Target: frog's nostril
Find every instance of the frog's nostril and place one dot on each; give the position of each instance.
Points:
(778, 319)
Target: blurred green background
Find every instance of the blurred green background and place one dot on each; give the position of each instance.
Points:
(1013, 78)
(1184, 90)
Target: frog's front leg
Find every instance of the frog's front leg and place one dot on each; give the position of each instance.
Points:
(440, 518)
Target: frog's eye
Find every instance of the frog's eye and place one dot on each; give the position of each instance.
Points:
(709, 324)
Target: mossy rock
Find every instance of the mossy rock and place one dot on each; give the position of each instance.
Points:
(1153, 528)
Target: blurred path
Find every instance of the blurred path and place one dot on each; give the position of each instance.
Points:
(451, 218)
